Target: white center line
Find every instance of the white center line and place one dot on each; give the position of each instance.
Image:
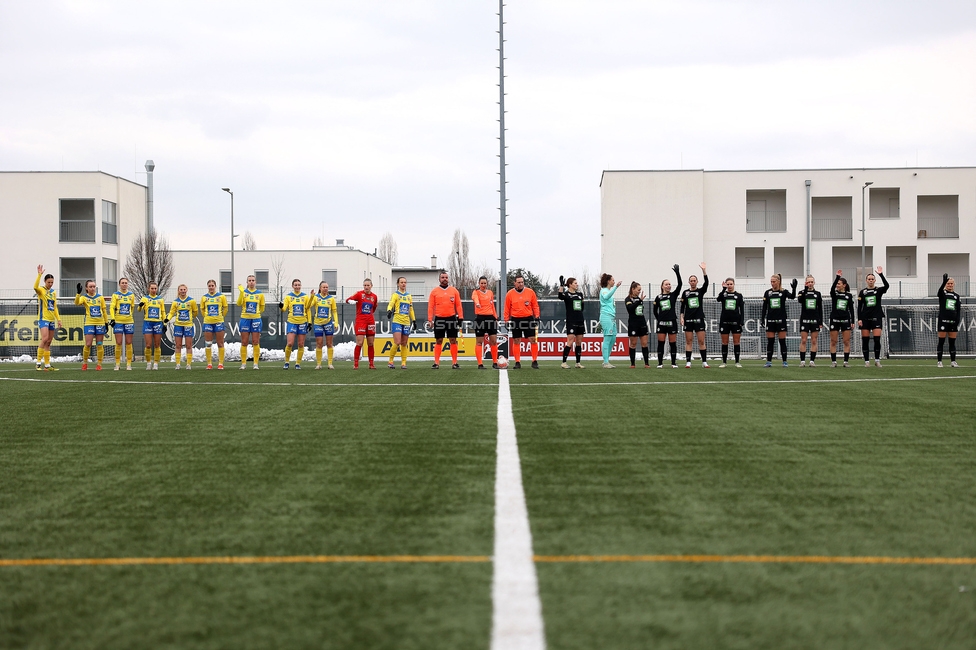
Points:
(516, 609)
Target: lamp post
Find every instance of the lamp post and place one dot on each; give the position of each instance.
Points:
(864, 187)
(232, 235)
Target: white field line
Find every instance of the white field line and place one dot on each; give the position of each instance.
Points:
(742, 381)
(516, 609)
(234, 383)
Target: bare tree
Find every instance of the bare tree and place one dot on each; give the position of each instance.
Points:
(587, 283)
(490, 272)
(150, 260)
(248, 242)
(278, 268)
(388, 250)
(459, 263)
(318, 241)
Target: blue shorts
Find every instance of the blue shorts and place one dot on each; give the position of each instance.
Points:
(180, 331)
(213, 327)
(152, 327)
(124, 328)
(296, 328)
(324, 330)
(397, 328)
(251, 325)
(46, 325)
(97, 330)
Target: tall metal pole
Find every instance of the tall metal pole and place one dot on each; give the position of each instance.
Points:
(503, 277)
(863, 258)
(150, 166)
(809, 226)
(233, 301)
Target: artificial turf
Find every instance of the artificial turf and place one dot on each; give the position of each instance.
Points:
(731, 461)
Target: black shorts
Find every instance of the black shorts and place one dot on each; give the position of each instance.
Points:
(775, 326)
(576, 329)
(523, 328)
(694, 325)
(445, 327)
(840, 326)
(810, 327)
(667, 327)
(485, 325)
(729, 328)
(637, 329)
(870, 324)
(948, 326)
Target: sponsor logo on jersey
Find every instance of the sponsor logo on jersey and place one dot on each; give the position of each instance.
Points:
(811, 303)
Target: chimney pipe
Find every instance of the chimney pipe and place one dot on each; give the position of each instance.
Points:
(433, 261)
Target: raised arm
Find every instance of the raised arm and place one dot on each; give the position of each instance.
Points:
(884, 282)
(940, 293)
(833, 287)
(677, 289)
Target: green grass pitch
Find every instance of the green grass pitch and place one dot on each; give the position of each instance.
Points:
(752, 461)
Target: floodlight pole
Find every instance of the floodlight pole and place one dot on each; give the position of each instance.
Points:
(232, 235)
(503, 276)
(863, 187)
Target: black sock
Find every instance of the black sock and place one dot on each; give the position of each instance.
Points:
(833, 357)
(565, 352)
(738, 350)
(673, 349)
(579, 352)
(660, 353)
(877, 347)
(646, 353)
(813, 356)
(633, 355)
(941, 348)
(865, 348)
(847, 357)
(769, 349)
(704, 354)
(688, 356)
(803, 355)
(725, 352)
(782, 349)
(952, 349)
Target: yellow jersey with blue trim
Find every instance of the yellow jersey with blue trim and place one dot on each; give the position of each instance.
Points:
(213, 306)
(294, 308)
(181, 312)
(122, 307)
(47, 300)
(251, 303)
(401, 304)
(154, 307)
(323, 310)
(94, 308)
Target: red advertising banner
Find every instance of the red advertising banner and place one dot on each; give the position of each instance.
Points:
(551, 347)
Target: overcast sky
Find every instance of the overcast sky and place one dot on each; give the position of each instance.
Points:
(349, 119)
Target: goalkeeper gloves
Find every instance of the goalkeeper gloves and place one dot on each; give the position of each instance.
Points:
(389, 315)
(281, 305)
(562, 281)
(78, 287)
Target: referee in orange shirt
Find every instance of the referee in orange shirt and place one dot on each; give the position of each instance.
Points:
(522, 314)
(485, 322)
(444, 311)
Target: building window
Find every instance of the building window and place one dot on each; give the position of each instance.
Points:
(75, 270)
(788, 260)
(332, 277)
(884, 203)
(831, 216)
(77, 220)
(848, 260)
(901, 261)
(225, 282)
(110, 234)
(938, 217)
(110, 274)
(765, 210)
(261, 280)
(956, 265)
(750, 262)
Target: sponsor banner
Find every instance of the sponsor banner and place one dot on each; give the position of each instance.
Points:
(16, 332)
(551, 347)
(422, 347)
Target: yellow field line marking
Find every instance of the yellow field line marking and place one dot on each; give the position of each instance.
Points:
(481, 559)
(758, 559)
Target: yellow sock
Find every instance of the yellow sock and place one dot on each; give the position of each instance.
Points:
(158, 354)
(209, 354)
(330, 356)
(318, 356)
(40, 354)
(220, 356)
(128, 354)
(287, 354)
(85, 354)
(393, 350)
(403, 355)
(47, 357)
(257, 352)
(100, 353)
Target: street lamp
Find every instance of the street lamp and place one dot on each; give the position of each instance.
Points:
(232, 235)
(864, 187)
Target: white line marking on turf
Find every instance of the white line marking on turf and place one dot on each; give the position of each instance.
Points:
(230, 383)
(516, 609)
(745, 381)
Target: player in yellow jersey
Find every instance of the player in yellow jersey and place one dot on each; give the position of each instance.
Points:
(294, 308)
(94, 328)
(213, 306)
(251, 302)
(182, 312)
(154, 312)
(48, 317)
(400, 312)
(120, 314)
(325, 321)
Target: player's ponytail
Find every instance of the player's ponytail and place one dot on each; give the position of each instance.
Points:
(605, 280)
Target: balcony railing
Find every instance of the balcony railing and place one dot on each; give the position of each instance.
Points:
(110, 233)
(78, 231)
(766, 221)
(938, 228)
(832, 229)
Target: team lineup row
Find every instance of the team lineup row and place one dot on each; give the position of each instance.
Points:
(317, 313)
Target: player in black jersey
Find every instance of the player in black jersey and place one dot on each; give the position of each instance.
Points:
(841, 317)
(570, 294)
(811, 319)
(637, 324)
(667, 321)
(773, 316)
(870, 316)
(731, 320)
(948, 318)
(693, 315)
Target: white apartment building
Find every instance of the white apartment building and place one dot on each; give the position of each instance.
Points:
(919, 223)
